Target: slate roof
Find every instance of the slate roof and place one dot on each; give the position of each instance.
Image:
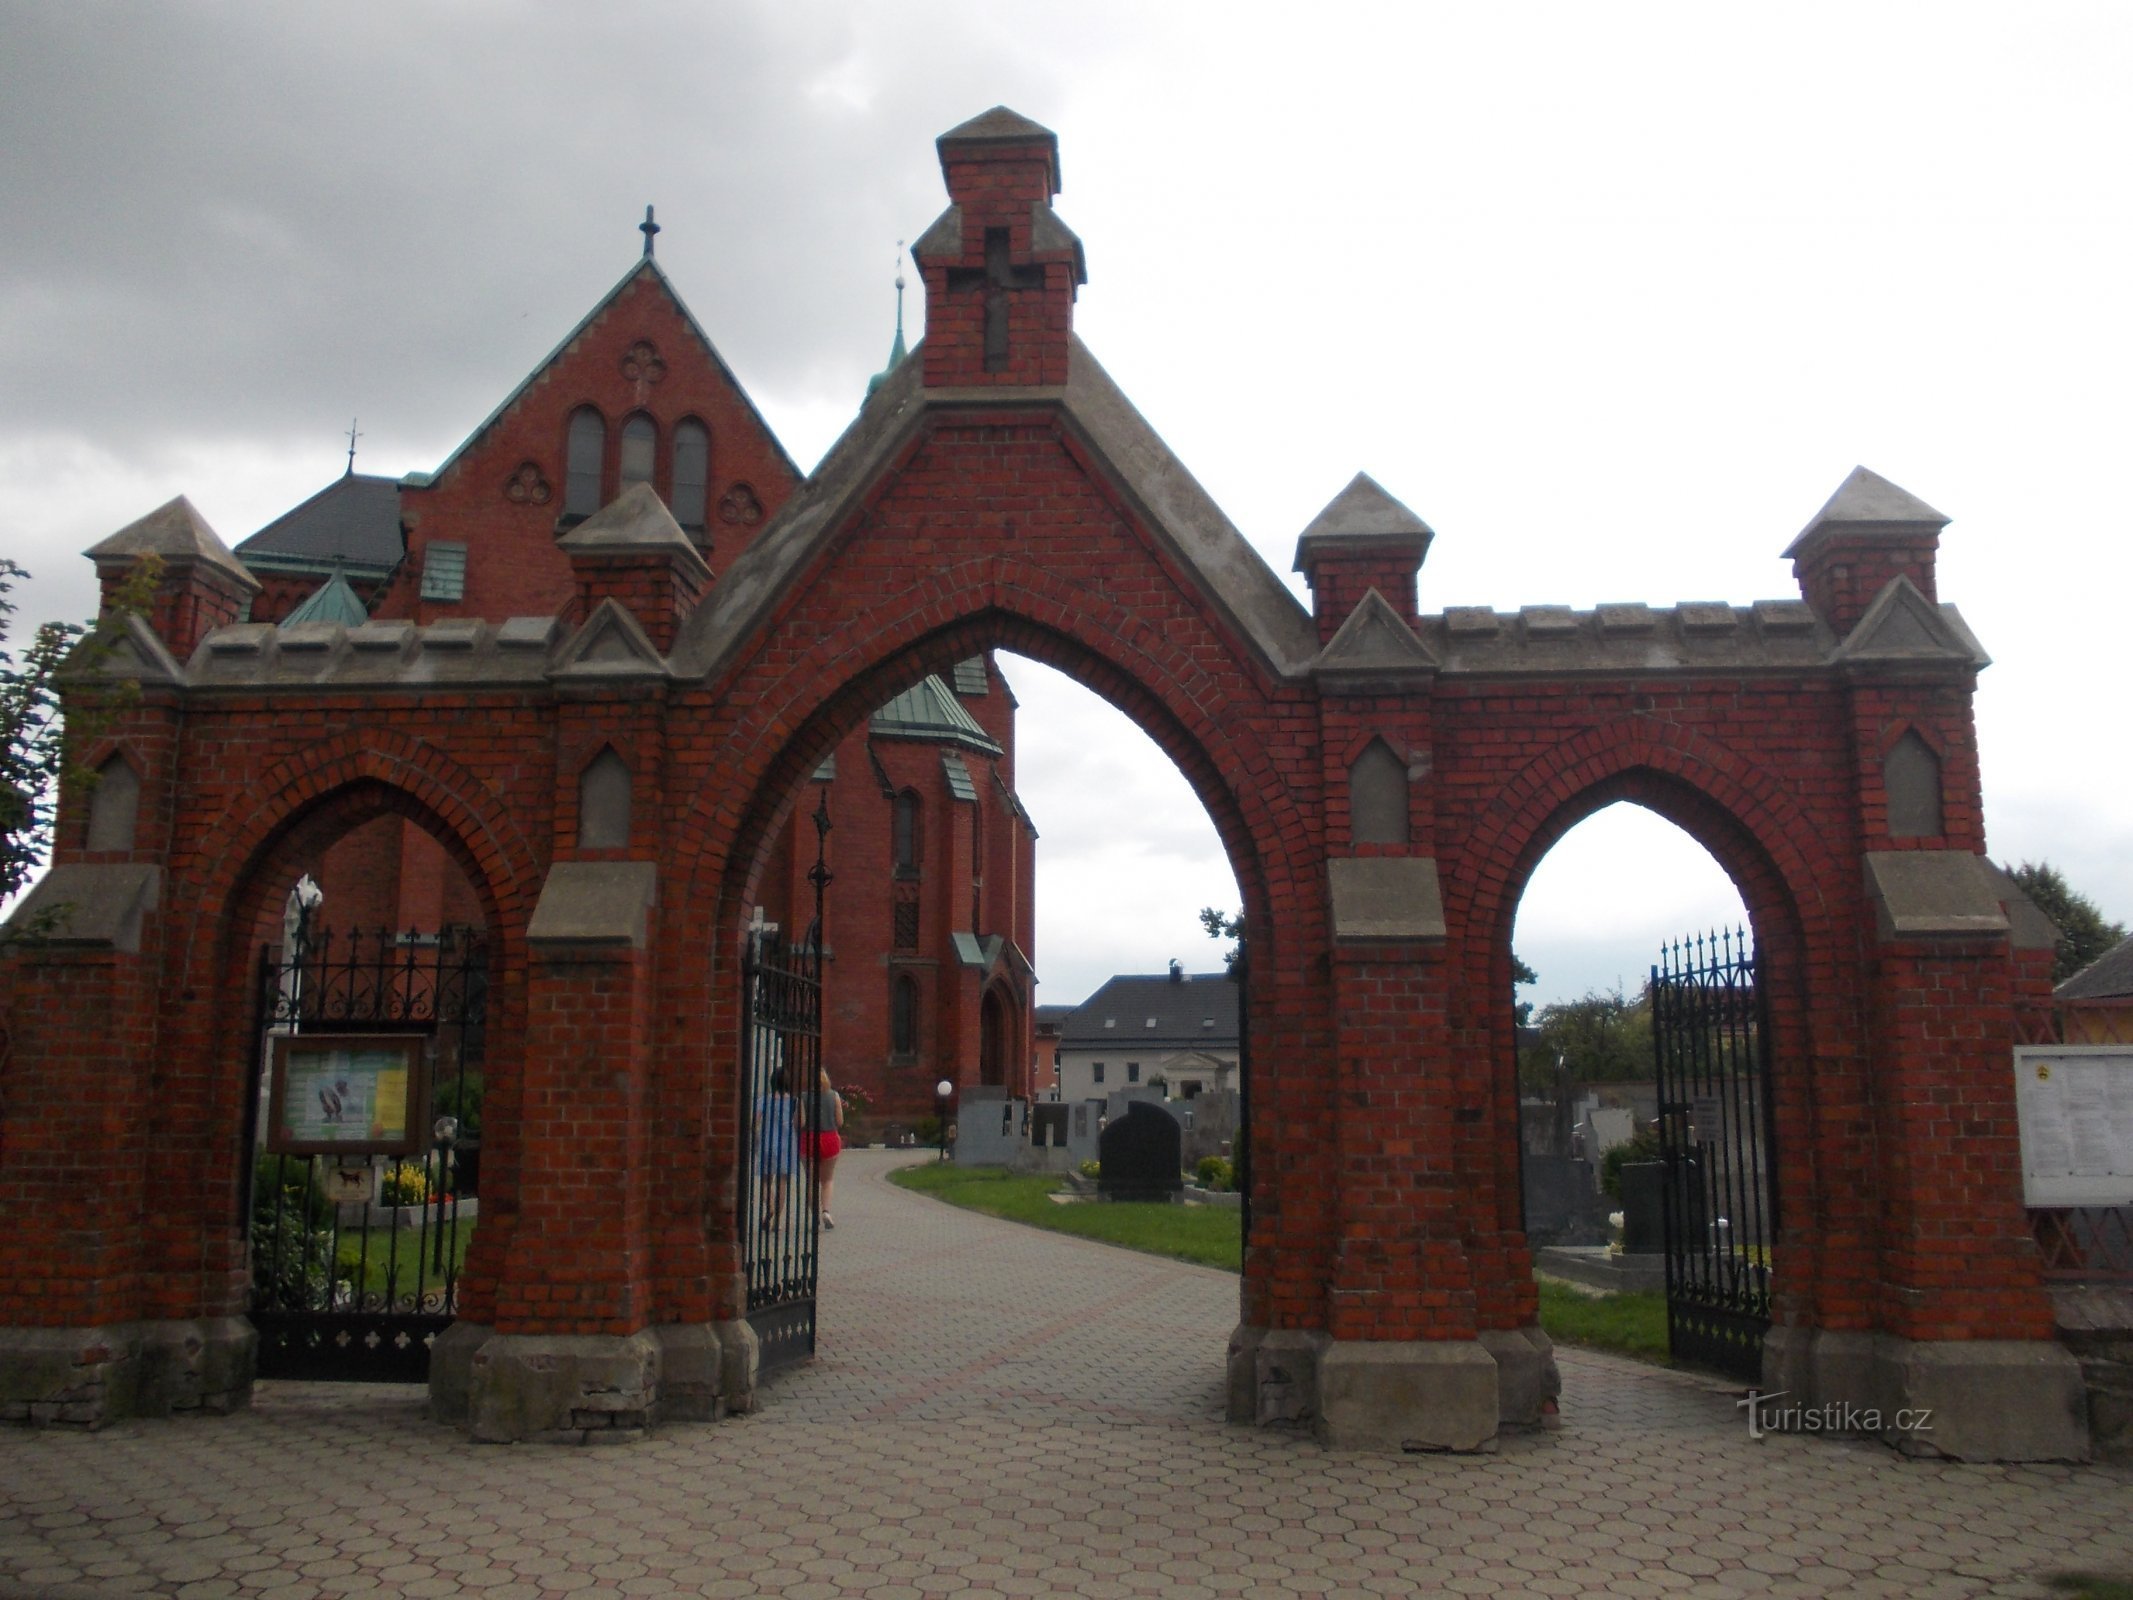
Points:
(2108, 977)
(354, 521)
(1119, 1014)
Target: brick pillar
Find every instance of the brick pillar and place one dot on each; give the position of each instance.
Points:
(570, 1354)
(78, 1145)
(1963, 1362)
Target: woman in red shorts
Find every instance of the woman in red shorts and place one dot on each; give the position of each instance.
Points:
(823, 1144)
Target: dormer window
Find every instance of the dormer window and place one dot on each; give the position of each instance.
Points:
(588, 447)
(640, 449)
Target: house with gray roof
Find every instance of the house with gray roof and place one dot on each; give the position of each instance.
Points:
(1177, 1029)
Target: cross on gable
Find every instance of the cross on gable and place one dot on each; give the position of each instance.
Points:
(997, 278)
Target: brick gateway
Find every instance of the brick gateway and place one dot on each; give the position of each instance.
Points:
(1383, 779)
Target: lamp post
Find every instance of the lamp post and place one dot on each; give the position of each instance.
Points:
(446, 1134)
(941, 1092)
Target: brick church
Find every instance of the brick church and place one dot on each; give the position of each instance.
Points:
(635, 434)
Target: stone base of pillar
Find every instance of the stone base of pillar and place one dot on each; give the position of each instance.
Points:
(1528, 1384)
(1959, 1399)
(1273, 1377)
(1421, 1395)
(589, 1388)
(87, 1377)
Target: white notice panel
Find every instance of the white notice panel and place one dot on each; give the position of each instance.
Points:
(2076, 1109)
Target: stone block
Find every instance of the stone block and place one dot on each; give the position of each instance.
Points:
(563, 1388)
(1425, 1395)
(76, 1377)
(691, 1372)
(1982, 1399)
(739, 1361)
(452, 1355)
(194, 1365)
(1528, 1383)
(1273, 1376)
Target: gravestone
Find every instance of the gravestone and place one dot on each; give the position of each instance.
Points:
(1139, 1152)
(1643, 1208)
(1562, 1204)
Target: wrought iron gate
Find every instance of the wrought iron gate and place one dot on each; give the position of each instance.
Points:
(1711, 1046)
(356, 1256)
(781, 1097)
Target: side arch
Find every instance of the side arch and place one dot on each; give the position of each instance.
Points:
(1785, 873)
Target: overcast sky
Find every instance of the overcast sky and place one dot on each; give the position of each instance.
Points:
(1613, 296)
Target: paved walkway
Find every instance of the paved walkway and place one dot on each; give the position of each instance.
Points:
(1003, 1412)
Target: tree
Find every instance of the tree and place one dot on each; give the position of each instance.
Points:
(1604, 1037)
(1521, 975)
(1220, 926)
(2083, 934)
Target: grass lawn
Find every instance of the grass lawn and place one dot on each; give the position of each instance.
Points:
(1208, 1235)
(415, 1253)
(1628, 1324)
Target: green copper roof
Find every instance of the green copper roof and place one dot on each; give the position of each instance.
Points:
(928, 710)
(331, 601)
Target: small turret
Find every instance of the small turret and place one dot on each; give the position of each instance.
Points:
(203, 585)
(1001, 269)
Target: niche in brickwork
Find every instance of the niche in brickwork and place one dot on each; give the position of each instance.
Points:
(114, 806)
(604, 803)
(1910, 773)
(1377, 797)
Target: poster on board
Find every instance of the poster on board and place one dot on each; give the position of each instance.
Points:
(346, 1094)
(2075, 1105)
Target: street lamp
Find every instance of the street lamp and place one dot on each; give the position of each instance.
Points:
(446, 1134)
(941, 1092)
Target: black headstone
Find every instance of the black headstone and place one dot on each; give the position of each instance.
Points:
(1138, 1153)
(1643, 1208)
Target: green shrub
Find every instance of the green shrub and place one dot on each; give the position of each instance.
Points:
(1092, 1170)
(281, 1185)
(1215, 1172)
(1641, 1146)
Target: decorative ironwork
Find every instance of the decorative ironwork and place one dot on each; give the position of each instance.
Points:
(781, 1095)
(1710, 1044)
(355, 1258)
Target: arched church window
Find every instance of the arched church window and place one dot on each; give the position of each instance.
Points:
(640, 444)
(904, 834)
(903, 1017)
(692, 473)
(581, 478)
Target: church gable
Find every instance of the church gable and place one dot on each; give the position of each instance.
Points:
(635, 393)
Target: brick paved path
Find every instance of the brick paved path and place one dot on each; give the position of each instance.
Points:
(1003, 1412)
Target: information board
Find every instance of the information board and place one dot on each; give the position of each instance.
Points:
(346, 1094)
(2075, 1103)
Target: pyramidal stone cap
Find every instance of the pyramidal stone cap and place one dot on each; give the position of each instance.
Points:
(176, 532)
(1363, 511)
(636, 521)
(1866, 501)
(1000, 126)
